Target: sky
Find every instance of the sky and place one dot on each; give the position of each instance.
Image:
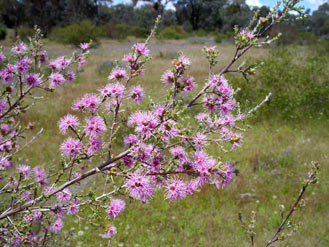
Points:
(309, 4)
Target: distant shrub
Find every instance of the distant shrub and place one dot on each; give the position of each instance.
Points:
(299, 83)
(173, 32)
(139, 32)
(25, 32)
(80, 32)
(168, 54)
(306, 38)
(187, 27)
(115, 31)
(219, 37)
(106, 67)
(3, 33)
(292, 35)
(201, 33)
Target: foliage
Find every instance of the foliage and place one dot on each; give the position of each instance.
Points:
(139, 32)
(280, 73)
(25, 32)
(106, 67)
(3, 33)
(219, 37)
(173, 32)
(115, 31)
(319, 20)
(192, 15)
(80, 32)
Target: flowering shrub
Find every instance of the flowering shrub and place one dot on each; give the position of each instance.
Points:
(167, 145)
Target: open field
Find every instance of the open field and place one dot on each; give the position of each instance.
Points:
(273, 162)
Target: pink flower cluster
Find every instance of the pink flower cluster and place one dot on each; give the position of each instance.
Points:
(140, 187)
(116, 207)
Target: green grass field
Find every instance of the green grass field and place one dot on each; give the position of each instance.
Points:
(275, 158)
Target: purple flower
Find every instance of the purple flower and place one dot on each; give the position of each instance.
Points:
(69, 121)
(59, 212)
(95, 126)
(168, 77)
(143, 151)
(42, 56)
(62, 62)
(3, 106)
(5, 129)
(81, 61)
(37, 216)
(137, 94)
(23, 65)
(89, 101)
(145, 122)
(118, 74)
(179, 153)
(214, 80)
(40, 175)
(246, 34)
(203, 164)
(6, 164)
(212, 102)
(199, 140)
(141, 49)
(57, 226)
(192, 186)
(140, 187)
(95, 145)
(53, 65)
(110, 231)
(32, 80)
(24, 170)
(64, 196)
(159, 110)
(73, 207)
(204, 117)
(27, 196)
(71, 147)
(56, 80)
(128, 58)
(181, 63)
(176, 189)
(70, 76)
(131, 139)
(228, 173)
(113, 90)
(84, 46)
(228, 106)
(2, 57)
(128, 161)
(19, 48)
(17, 240)
(187, 84)
(116, 207)
(224, 88)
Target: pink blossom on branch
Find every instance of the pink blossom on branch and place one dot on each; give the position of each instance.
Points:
(94, 126)
(69, 121)
(116, 207)
(71, 147)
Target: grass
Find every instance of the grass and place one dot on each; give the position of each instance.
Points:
(273, 162)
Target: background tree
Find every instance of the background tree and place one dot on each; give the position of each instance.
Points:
(319, 20)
